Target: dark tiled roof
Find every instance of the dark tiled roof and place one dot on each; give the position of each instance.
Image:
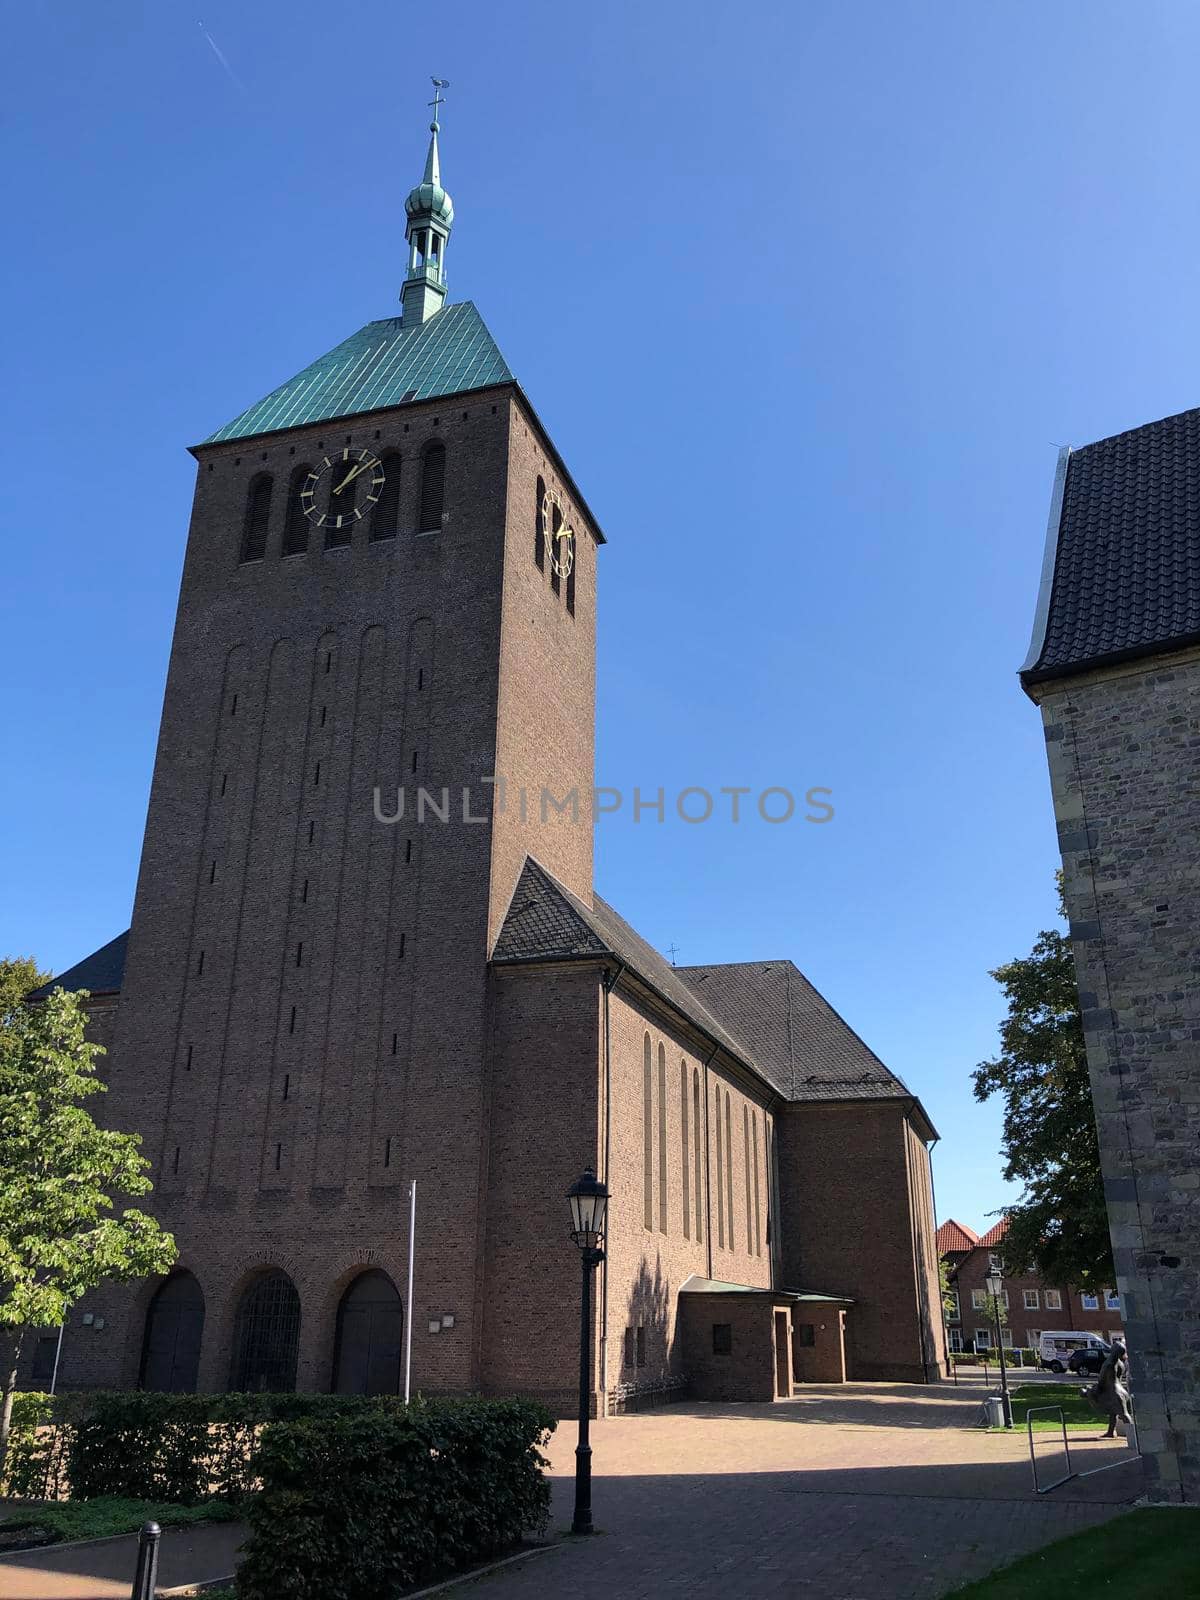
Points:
(100, 973)
(804, 1047)
(1125, 551)
(764, 1013)
(545, 922)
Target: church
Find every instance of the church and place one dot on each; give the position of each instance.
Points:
(390, 587)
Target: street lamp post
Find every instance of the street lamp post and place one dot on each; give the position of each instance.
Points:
(995, 1285)
(589, 1207)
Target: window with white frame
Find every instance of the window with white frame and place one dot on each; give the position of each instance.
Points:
(1004, 1298)
(955, 1337)
(1091, 1302)
(1053, 1300)
(1031, 1299)
(978, 1299)
(1113, 1335)
(952, 1310)
(1006, 1337)
(995, 1263)
(1112, 1300)
(983, 1338)
(1033, 1338)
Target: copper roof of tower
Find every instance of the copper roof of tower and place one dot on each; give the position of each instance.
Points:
(1122, 571)
(384, 364)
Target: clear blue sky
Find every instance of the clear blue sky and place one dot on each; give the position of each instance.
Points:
(807, 294)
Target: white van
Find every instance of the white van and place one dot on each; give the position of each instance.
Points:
(1054, 1349)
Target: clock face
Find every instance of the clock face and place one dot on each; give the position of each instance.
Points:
(344, 473)
(559, 535)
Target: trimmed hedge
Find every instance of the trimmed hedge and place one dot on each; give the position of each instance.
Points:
(354, 1506)
(147, 1446)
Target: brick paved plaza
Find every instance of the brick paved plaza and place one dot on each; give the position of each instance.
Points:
(853, 1492)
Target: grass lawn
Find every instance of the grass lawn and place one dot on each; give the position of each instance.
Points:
(1150, 1554)
(109, 1514)
(1076, 1410)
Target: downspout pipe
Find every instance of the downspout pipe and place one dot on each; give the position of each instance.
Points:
(611, 979)
(941, 1302)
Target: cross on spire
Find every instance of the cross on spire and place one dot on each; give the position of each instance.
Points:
(438, 100)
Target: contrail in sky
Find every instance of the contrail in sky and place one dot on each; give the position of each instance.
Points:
(216, 50)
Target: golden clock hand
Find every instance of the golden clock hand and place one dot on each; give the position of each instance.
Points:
(350, 477)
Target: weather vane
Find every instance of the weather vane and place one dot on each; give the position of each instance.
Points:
(438, 100)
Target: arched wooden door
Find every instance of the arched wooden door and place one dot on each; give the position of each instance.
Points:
(266, 1336)
(369, 1349)
(174, 1328)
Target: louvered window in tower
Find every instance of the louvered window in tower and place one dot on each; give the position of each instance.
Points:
(539, 528)
(296, 524)
(556, 522)
(385, 518)
(258, 513)
(433, 488)
(343, 491)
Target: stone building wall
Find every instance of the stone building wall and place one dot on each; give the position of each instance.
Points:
(1124, 752)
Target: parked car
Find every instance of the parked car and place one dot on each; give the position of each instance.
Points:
(1088, 1360)
(1057, 1348)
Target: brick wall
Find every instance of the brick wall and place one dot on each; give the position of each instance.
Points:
(1122, 748)
(852, 1226)
(824, 1360)
(746, 1371)
(544, 1118)
(547, 687)
(648, 1264)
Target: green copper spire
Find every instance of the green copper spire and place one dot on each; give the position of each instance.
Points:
(430, 213)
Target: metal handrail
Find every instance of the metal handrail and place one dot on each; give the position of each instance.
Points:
(1029, 1416)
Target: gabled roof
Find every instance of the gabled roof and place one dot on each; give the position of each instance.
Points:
(546, 922)
(804, 1047)
(764, 1013)
(1122, 569)
(384, 364)
(100, 973)
(955, 1237)
(994, 1236)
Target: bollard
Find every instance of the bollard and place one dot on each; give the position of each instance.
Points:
(145, 1578)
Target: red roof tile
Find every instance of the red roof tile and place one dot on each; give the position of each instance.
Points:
(955, 1236)
(995, 1236)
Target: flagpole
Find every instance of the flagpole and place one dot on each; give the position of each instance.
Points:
(408, 1305)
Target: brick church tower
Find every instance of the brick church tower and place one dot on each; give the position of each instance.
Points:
(370, 607)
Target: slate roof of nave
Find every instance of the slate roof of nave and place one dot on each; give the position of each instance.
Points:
(99, 973)
(766, 1014)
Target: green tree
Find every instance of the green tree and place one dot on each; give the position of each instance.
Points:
(60, 1234)
(1060, 1225)
(18, 975)
(949, 1294)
